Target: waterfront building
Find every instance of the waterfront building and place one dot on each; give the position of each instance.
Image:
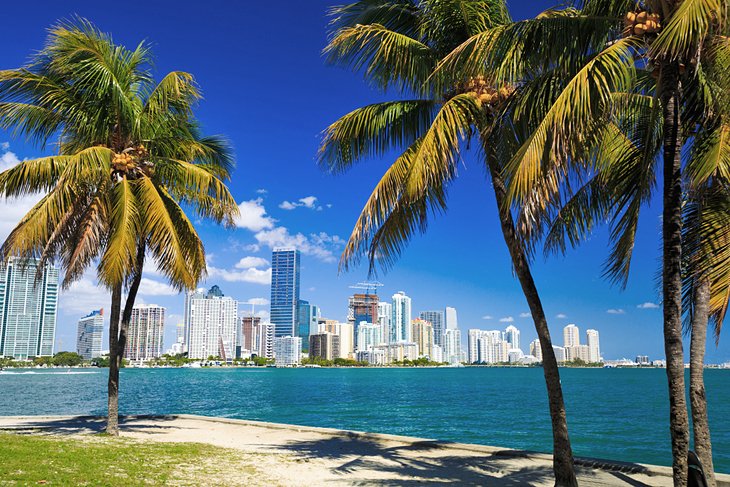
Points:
(401, 318)
(362, 307)
(512, 336)
(594, 348)
(385, 317)
(487, 347)
(452, 346)
(472, 345)
(374, 356)
(437, 354)
(450, 321)
(642, 360)
(398, 352)
(245, 335)
(28, 307)
(346, 332)
(514, 355)
(528, 360)
(324, 345)
(146, 333)
(422, 333)
(369, 335)
(89, 333)
(263, 340)
(578, 352)
(436, 318)
(571, 336)
(559, 354)
(285, 265)
(211, 322)
(536, 349)
(307, 316)
(287, 351)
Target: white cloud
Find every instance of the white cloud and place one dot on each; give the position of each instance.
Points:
(252, 275)
(561, 316)
(525, 315)
(318, 245)
(252, 248)
(487, 317)
(262, 191)
(4, 146)
(507, 319)
(14, 209)
(257, 302)
(615, 311)
(82, 297)
(250, 261)
(253, 216)
(150, 287)
(647, 305)
(306, 202)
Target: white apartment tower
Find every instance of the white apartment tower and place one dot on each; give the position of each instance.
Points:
(571, 336)
(452, 346)
(594, 348)
(89, 334)
(512, 336)
(146, 333)
(385, 317)
(210, 324)
(401, 318)
(450, 321)
(536, 349)
(287, 351)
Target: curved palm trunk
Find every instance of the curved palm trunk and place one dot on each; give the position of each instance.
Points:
(672, 270)
(698, 400)
(562, 451)
(118, 340)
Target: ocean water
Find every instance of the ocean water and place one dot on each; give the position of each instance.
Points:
(619, 414)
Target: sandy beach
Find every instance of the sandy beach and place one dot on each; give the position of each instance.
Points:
(290, 455)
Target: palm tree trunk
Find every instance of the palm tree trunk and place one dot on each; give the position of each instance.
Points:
(672, 270)
(115, 361)
(562, 451)
(698, 400)
(118, 339)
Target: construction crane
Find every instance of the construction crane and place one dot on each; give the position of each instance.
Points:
(368, 286)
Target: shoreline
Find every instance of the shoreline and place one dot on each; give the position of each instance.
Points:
(315, 454)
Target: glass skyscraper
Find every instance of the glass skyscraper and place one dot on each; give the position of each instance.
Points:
(436, 318)
(89, 333)
(285, 291)
(28, 305)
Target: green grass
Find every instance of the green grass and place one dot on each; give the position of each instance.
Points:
(103, 460)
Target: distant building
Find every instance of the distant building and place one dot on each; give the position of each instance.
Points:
(487, 347)
(346, 332)
(398, 352)
(324, 345)
(594, 348)
(211, 322)
(436, 318)
(559, 354)
(452, 346)
(375, 356)
(437, 354)
(89, 335)
(577, 352)
(385, 317)
(287, 351)
(28, 306)
(512, 336)
(369, 335)
(401, 318)
(422, 333)
(642, 360)
(450, 321)
(362, 307)
(178, 347)
(514, 355)
(146, 333)
(285, 265)
(307, 316)
(536, 349)
(571, 336)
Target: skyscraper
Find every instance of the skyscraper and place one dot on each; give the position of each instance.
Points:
(450, 321)
(571, 336)
(369, 335)
(285, 263)
(27, 308)
(594, 348)
(452, 346)
(401, 318)
(536, 349)
(362, 307)
(210, 324)
(436, 318)
(385, 318)
(287, 351)
(512, 337)
(324, 345)
(422, 333)
(89, 333)
(146, 332)
(307, 316)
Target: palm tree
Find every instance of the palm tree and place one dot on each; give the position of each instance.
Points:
(594, 106)
(398, 44)
(129, 154)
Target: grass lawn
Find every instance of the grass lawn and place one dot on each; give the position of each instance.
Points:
(35, 459)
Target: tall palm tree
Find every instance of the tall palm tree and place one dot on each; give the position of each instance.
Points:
(589, 69)
(129, 154)
(397, 44)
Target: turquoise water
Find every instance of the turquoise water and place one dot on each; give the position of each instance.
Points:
(618, 414)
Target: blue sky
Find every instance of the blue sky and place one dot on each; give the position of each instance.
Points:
(268, 89)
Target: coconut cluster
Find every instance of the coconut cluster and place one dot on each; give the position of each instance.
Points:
(484, 92)
(130, 160)
(640, 23)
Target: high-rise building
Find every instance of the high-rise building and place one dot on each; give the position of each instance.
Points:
(246, 336)
(88, 335)
(436, 318)
(28, 305)
(487, 347)
(285, 263)
(571, 336)
(287, 351)
(422, 333)
(594, 348)
(369, 335)
(362, 307)
(307, 316)
(452, 346)
(146, 333)
(346, 332)
(259, 337)
(512, 336)
(536, 349)
(398, 352)
(559, 354)
(324, 345)
(577, 352)
(450, 321)
(211, 322)
(401, 318)
(385, 318)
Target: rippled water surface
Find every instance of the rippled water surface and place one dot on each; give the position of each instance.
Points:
(619, 414)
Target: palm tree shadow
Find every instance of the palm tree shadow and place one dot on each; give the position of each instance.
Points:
(89, 425)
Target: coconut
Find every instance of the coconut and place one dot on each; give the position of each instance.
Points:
(639, 29)
(504, 92)
(630, 17)
(651, 26)
(642, 17)
(485, 98)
